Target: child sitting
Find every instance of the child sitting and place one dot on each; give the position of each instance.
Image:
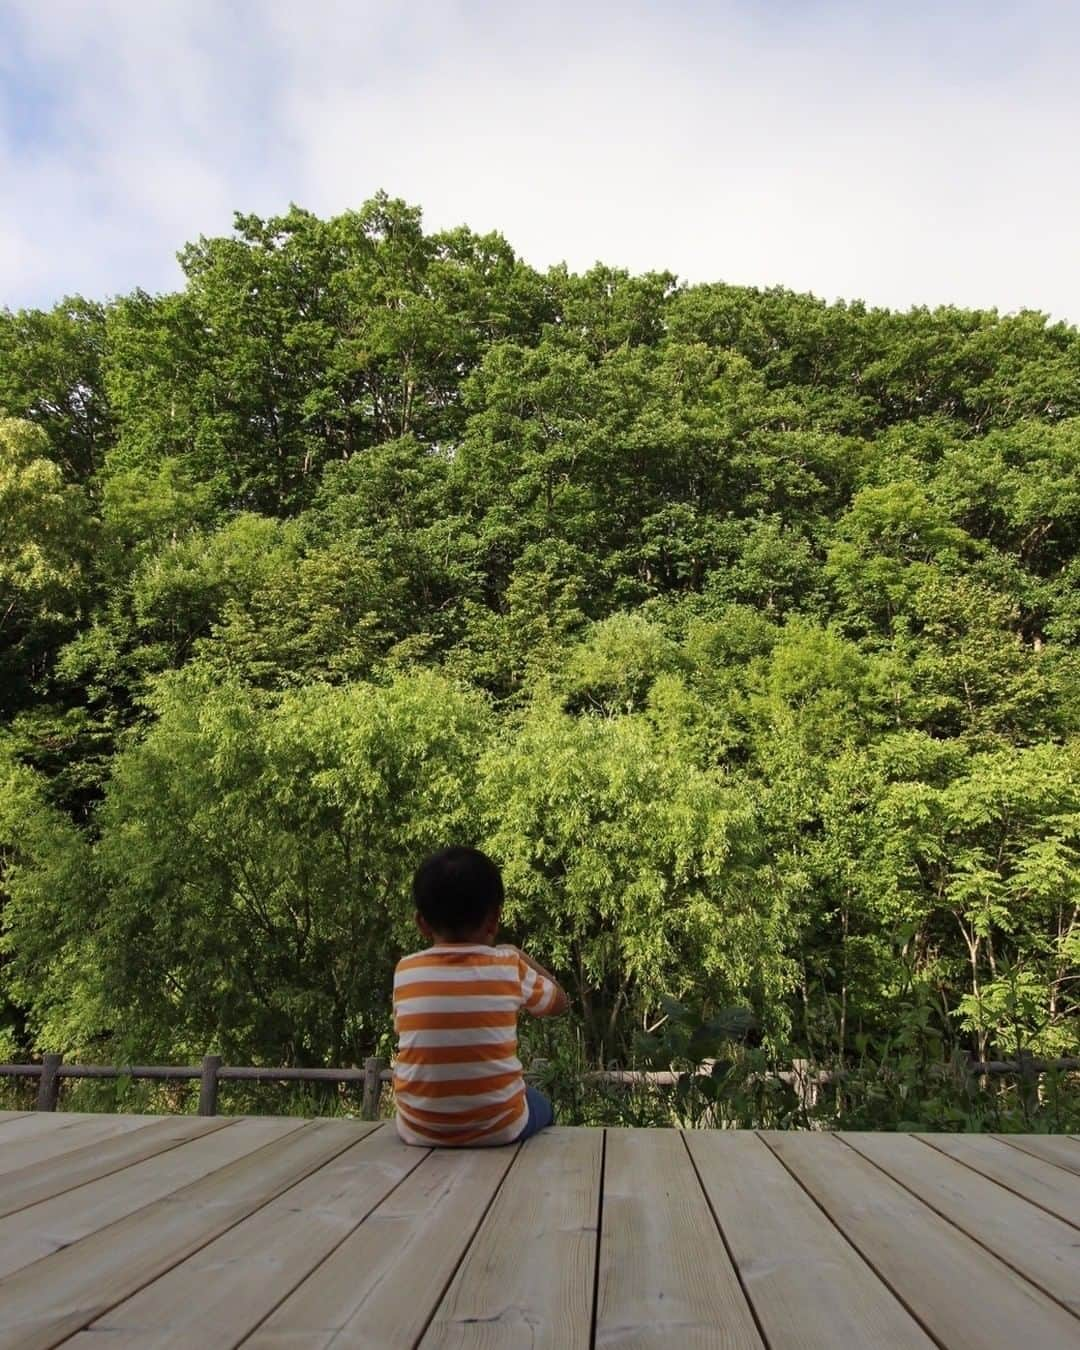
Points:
(457, 1077)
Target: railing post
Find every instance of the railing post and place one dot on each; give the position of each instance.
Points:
(49, 1083)
(806, 1088)
(208, 1085)
(369, 1102)
(1029, 1079)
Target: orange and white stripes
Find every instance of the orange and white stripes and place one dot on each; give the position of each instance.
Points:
(457, 1077)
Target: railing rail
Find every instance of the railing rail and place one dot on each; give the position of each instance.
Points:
(211, 1072)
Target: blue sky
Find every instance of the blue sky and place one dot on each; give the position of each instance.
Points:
(903, 154)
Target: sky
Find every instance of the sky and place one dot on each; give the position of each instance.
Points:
(903, 154)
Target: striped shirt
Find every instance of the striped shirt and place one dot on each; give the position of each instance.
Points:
(457, 1077)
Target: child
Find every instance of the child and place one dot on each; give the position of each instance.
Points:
(457, 1077)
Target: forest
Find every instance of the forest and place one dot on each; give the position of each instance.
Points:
(741, 629)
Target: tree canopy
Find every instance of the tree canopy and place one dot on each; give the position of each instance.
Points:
(740, 628)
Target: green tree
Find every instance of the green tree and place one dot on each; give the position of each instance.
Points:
(743, 627)
(249, 888)
(43, 551)
(51, 374)
(628, 868)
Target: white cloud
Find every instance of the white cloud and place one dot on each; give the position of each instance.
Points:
(921, 159)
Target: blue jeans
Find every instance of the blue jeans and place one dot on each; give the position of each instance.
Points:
(541, 1114)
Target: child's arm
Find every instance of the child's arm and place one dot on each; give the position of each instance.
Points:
(560, 1002)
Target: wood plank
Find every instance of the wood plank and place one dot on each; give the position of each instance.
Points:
(223, 1291)
(378, 1290)
(1040, 1182)
(965, 1298)
(1038, 1245)
(37, 1232)
(30, 1185)
(809, 1288)
(527, 1278)
(7, 1117)
(665, 1277)
(21, 1152)
(1058, 1149)
(54, 1298)
(30, 1124)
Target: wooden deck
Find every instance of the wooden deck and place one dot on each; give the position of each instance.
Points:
(123, 1231)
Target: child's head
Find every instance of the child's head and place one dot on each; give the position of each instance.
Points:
(458, 894)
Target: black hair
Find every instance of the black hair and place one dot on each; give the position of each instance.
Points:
(455, 890)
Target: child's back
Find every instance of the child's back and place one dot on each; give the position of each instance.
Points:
(457, 1076)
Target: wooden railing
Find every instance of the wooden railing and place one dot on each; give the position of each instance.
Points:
(801, 1077)
(210, 1073)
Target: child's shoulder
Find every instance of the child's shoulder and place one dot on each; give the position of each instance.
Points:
(414, 959)
(504, 954)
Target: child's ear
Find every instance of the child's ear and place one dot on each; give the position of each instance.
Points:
(423, 925)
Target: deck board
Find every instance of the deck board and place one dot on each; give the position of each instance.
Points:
(1037, 1181)
(381, 1286)
(665, 1277)
(224, 1290)
(24, 1150)
(527, 1277)
(1036, 1244)
(931, 1265)
(284, 1234)
(52, 1299)
(31, 1184)
(808, 1286)
(32, 1124)
(37, 1232)
(1058, 1149)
